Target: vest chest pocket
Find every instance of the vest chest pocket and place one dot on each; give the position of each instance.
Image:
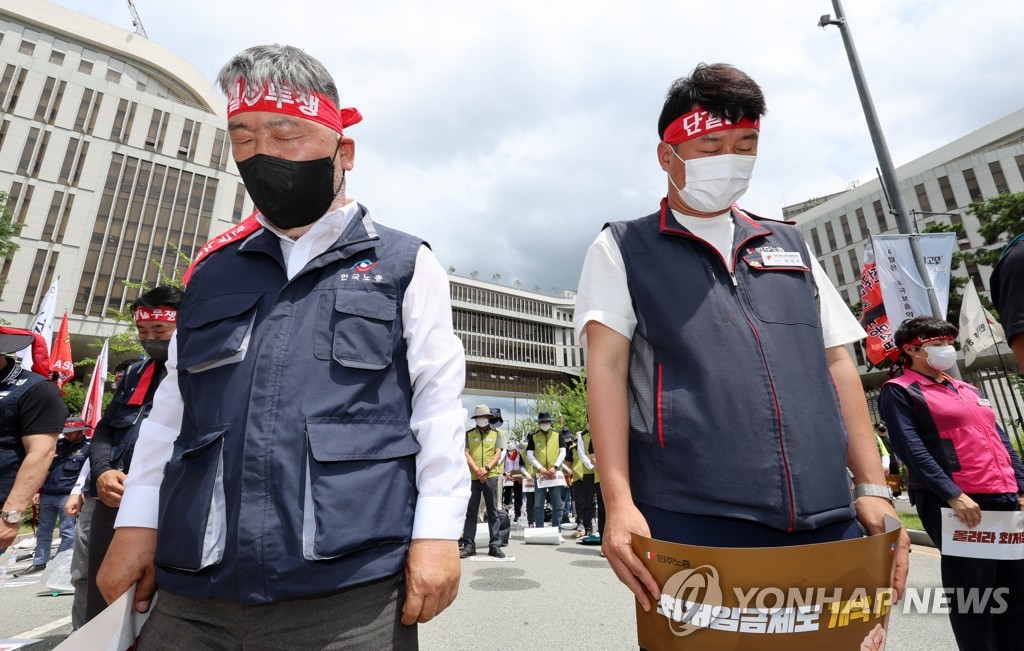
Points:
(780, 294)
(360, 486)
(356, 329)
(192, 523)
(215, 331)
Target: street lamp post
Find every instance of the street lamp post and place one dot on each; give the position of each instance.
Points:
(889, 181)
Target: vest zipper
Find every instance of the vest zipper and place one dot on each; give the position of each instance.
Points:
(775, 398)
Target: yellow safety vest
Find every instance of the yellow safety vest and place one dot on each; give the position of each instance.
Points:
(545, 447)
(482, 447)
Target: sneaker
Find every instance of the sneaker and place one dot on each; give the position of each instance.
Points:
(33, 569)
(495, 551)
(531, 526)
(467, 551)
(560, 539)
(579, 534)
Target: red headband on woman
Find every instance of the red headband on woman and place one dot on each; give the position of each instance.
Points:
(280, 98)
(699, 122)
(916, 341)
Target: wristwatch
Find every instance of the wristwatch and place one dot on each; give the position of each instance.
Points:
(11, 517)
(873, 490)
(487, 468)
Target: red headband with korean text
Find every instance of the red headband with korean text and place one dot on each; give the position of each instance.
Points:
(281, 98)
(149, 314)
(699, 122)
(917, 341)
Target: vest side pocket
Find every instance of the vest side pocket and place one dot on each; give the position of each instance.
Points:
(192, 494)
(355, 328)
(360, 486)
(215, 332)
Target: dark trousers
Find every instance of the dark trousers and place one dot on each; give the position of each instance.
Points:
(489, 490)
(366, 617)
(101, 533)
(978, 631)
(541, 496)
(600, 509)
(531, 499)
(585, 493)
(513, 494)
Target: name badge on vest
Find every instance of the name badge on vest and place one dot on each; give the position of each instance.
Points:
(781, 259)
(984, 402)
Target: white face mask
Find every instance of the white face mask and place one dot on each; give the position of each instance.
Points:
(714, 183)
(482, 422)
(941, 358)
(545, 427)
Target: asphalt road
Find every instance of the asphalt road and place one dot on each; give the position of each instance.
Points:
(548, 597)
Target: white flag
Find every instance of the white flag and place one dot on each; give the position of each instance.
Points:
(93, 407)
(903, 291)
(43, 325)
(978, 328)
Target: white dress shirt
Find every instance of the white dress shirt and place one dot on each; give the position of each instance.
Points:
(436, 367)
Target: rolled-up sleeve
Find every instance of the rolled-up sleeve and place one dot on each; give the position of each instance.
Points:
(139, 505)
(437, 368)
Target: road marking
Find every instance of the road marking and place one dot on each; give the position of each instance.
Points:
(44, 629)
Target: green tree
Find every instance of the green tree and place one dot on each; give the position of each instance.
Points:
(74, 397)
(567, 403)
(999, 216)
(8, 230)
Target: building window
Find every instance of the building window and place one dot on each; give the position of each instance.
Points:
(862, 223)
(157, 129)
(56, 57)
(947, 193)
(3, 131)
(972, 185)
(12, 100)
(996, 169)
(189, 140)
(29, 152)
(883, 225)
(236, 215)
(840, 274)
(113, 76)
(85, 67)
(830, 234)
(922, 197)
(58, 216)
(844, 223)
(85, 121)
(219, 154)
(27, 47)
(18, 201)
(816, 241)
(854, 264)
(123, 121)
(74, 162)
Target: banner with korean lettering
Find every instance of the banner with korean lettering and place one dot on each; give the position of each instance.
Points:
(834, 596)
(999, 536)
(903, 291)
(62, 369)
(879, 343)
(42, 324)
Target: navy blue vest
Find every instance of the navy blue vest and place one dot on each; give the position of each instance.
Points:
(125, 420)
(732, 409)
(65, 467)
(294, 473)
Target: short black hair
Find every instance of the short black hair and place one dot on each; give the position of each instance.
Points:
(919, 327)
(123, 365)
(162, 296)
(719, 88)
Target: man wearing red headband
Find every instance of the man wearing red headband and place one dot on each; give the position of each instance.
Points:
(720, 395)
(32, 414)
(113, 442)
(307, 452)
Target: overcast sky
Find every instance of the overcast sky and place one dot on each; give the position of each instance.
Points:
(507, 133)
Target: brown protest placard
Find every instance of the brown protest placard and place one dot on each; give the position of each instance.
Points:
(823, 596)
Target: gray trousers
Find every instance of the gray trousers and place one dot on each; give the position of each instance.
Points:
(359, 619)
(80, 563)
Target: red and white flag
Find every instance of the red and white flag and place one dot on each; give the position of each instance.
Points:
(92, 410)
(61, 367)
(879, 345)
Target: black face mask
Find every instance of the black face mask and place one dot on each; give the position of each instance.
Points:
(289, 193)
(156, 349)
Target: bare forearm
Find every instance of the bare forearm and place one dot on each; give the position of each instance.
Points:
(608, 408)
(31, 476)
(861, 451)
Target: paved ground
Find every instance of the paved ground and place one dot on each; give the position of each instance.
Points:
(508, 606)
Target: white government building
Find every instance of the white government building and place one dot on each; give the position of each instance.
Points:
(978, 166)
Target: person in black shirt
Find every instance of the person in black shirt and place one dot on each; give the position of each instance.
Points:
(32, 414)
(1008, 295)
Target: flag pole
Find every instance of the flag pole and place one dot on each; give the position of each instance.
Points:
(1013, 394)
